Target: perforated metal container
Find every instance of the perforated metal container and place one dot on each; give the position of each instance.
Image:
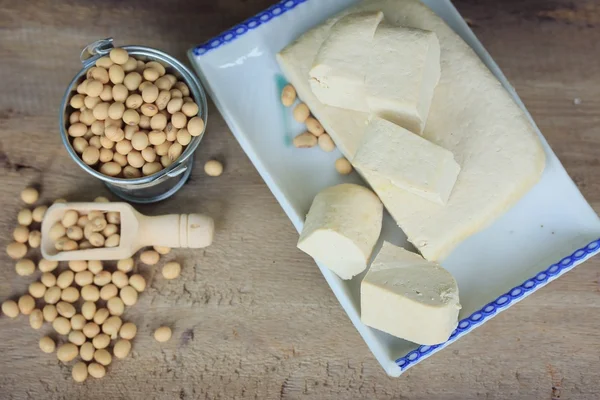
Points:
(165, 183)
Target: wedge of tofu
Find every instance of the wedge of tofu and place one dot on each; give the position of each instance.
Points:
(403, 71)
(404, 159)
(337, 77)
(471, 115)
(368, 66)
(342, 227)
(409, 297)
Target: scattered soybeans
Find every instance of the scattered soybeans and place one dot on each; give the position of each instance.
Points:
(80, 372)
(87, 330)
(288, 95)
(149, 257)
(96, 370)
(162, 334)
(47, 345)
(301, 112)
(30, 195)
(343, 166)
(315, 133)
(10, 309)
(16, 250)
(122, 348)
(305, 140)
(326, 143)
(171, 270)
(24, 267)
(213, 168)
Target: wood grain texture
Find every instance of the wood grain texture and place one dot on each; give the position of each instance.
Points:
(252, 317)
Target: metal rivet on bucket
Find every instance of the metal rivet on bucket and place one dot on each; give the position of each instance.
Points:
(165, 183)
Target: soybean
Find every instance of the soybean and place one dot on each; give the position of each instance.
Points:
(137, 282)
(213, 168)
(301, 112)
(88, 309)
(26, 304)
(30, 195)
(129, 295)
(96, 370)
(67, 352)
(122, 348)
(49, 312)
(305, 140)
(343, 166)
(78, 321)
(128, 331)
(38, 213)
(52, 295)
(79, 372)
(10, 309)
(314, 126)
(195, 126)
(35, 239)
(171, 270)
(37, 289)
(162, 334)
(86, 351)
(62, 325)
(25, 217)
(47, 345)
(24, 267)
(16, 250)
(325, 143)
(288, 95)
(36, 319)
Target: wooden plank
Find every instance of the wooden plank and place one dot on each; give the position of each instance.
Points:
(252, 316)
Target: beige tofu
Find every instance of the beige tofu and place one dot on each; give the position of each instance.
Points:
(409, 297)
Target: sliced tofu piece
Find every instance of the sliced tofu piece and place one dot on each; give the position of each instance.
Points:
(403, 71)
(471, 115)
(342, 227)
(407, 161)
(337, 77)
(409, 297)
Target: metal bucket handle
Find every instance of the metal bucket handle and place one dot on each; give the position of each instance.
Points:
(94, 51)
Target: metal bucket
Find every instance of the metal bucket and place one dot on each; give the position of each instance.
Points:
(166, 182)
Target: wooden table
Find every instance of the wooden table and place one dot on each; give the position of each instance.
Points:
(252, 315)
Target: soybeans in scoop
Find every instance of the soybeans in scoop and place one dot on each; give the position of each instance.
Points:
(137, 231)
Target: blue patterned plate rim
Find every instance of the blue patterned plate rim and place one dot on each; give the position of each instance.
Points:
(504, 301)
(251, 23)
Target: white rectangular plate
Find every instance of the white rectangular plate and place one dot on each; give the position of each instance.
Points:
(551, 230)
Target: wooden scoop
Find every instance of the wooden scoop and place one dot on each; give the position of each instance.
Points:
(136, 231)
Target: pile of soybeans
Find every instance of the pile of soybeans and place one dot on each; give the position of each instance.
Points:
(83, 301)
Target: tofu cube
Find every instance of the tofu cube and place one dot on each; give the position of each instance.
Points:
(342, 227)
(406, 160)
(403, 71)
(408, 297)
(337, 77)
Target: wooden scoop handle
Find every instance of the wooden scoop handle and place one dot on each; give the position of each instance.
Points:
(176, 230)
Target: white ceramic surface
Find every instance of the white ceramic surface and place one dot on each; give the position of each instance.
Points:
(551, 230)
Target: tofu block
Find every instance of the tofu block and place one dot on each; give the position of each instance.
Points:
(407, 161)
(368, 66)
(337, 77)
(409, 297)
(471, 115)
(404, 69)
(342, 227)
